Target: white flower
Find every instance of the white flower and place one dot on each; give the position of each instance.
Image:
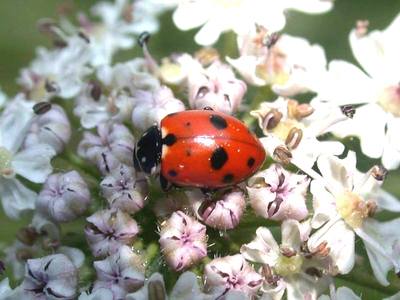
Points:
(285, 266)
(341, 293)
(57, 72)
(112, 146)
(121, 273)
(377, 120)
(291, 65)
(292, 129)
(344, 201)
(218, 16)
(215, 87)
(51, 277)
(32, 163)
(151, 107)
(120, 23)
(3, 98)
(52, 128)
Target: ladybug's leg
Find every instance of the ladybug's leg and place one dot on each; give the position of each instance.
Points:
(165, 184)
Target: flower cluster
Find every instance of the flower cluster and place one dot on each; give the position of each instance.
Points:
(69, 143)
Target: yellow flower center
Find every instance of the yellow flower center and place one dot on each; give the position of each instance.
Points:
(286, 266)
(5, 162)
(390, 100)
(353, 209)
(171, 72)
(273, 69)
(284, 127)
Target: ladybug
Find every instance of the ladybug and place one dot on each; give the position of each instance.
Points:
(199, 148)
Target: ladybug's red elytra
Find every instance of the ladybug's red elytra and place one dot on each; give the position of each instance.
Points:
(199, 148)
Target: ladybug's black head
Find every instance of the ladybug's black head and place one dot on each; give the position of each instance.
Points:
(147, 153)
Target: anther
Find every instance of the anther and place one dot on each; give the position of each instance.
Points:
(379, 172)
(41, 108)
(293, 138)
(288, 252)
(282, 155)
(272, 40)
(303, 111)
(143, 38)
(95, 90)
(361, 28)
(272, 119)
(348, 111)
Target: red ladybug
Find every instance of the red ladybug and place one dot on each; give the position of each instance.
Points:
(199, 148)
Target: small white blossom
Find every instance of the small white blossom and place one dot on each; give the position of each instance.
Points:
(215, 87)
(231, 273)
(121, 273)
(277, 194)
(376, 88)
(32, 163)
(124, 189)
(291, 131)
(291, 65)
(218, 16)
(64, 197)
(112, 146)
(183, 241)
(51, 277)
(108, 230)
(151, 107)
(223, 212)
(52, 128)
(344, 201)
(57, 72)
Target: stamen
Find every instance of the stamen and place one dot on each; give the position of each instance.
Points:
(272, 118)
(348, 111)
(379, 172)
(143, 40)
(294, 137)
(282, 155)
(361, 28)
(41, 108)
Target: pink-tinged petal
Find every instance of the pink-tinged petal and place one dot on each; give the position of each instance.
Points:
(386, 201)
(187, 287)
(16, 198)
(33, 163)
(340, 240)
(246, 66)
(231, 273)
(99, 294)
(294, 234)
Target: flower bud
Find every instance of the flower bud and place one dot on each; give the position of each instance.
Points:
(108, 230)
(221, 213)
(278, 195)
(152, 107)
(121, 273)
(216, 87)
(50, 277)
(183, 241)
(112, 146)
(64, 197)
(51, 127)
(27, 235)
(124, 189)
(231, 273)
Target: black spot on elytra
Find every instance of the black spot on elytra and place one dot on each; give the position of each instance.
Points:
(250, 162)
(218, 122)
(172, 173)
(218, 158)
(228, 178)
(169, 140)
(188, 124)
(188, 152)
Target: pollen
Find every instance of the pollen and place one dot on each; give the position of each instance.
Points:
(353, 209)
(286, 266)
(5, 162)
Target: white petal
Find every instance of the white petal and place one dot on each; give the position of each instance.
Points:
(310, 6)
(394, 297)
(210, 32)
(99, 294)
(340, 239)
(33, 162)
(14, 124)
(187, 287)
(324, 204)
(370, 121)
(15, 197)
(387, 201)
(191, 14)
(74, 254)
(347, 84)
(44, 225)
(246, 66)
(301, 287)
(382, 243)
(291, 234)
(263, 249)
